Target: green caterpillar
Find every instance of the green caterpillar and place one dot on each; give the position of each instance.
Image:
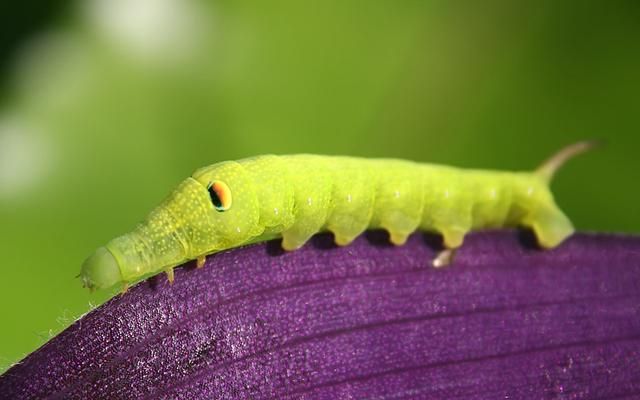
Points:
(232, 203)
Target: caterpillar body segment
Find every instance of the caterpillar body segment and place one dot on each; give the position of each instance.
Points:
(232, 203)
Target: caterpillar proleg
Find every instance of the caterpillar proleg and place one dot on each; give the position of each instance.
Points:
(232, 203)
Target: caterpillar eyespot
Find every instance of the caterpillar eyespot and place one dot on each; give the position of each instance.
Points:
(220, 195)
(343, 195)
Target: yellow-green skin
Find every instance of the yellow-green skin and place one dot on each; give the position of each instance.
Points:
(299, 195)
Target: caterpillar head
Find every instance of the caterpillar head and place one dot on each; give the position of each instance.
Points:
(213, 210)
(100, 270)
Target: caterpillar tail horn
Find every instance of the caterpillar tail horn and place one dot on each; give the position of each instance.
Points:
(548, 169)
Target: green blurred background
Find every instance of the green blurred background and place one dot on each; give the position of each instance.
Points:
(106, 104)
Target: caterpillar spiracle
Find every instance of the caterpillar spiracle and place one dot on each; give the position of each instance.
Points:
(232, 203)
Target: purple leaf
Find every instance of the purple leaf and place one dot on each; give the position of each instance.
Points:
(369, 320)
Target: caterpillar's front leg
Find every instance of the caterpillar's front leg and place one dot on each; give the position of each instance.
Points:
(453, 239)
(170, 274)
